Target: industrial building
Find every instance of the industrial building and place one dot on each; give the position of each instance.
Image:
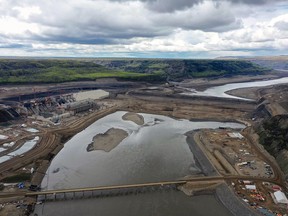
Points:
(81, 106)
(280, 197)
(250, 187)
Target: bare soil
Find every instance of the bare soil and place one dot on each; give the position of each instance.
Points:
(134, 117)
(107, 141)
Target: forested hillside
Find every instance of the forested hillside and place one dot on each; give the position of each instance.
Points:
(274, 134)
(52, 70)
(179, 69)
(274, 137)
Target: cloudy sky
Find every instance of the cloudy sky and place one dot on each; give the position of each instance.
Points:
(143, 28)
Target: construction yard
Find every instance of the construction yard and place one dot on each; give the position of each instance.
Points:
(231, 148)
(232, 154)
(260, 196)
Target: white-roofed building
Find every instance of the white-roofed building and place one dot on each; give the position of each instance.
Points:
(250, 187)
(280, 197)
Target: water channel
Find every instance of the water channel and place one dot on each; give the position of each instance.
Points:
(220, 91)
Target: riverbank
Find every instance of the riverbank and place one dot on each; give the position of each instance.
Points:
(250, 93)
(254, 92)
(233, 203)
(201, 160)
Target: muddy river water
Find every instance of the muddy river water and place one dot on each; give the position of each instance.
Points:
(153, 152)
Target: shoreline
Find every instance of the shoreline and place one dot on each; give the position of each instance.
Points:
(229, 200)
(200, 158)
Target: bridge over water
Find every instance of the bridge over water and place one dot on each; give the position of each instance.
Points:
(116, 190)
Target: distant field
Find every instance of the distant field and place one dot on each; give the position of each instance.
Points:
(54, 70)
(47, 71)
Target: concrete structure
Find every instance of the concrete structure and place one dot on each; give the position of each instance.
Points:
(120, 189)
(250, 187)
(81, 106)
(280, 197)
(94, 95)
(235, 135)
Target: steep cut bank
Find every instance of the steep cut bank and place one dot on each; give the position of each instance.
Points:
(273, 135)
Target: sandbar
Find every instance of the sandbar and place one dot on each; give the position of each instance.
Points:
(108, 140)
(134, 117)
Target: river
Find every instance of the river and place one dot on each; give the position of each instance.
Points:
(166, 203)
(155, 151)
(220, 91)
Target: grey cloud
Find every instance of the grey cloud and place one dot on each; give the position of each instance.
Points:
(85, 34)
(52, 38)
(85, 22)
(166, 5)
(14, 46)
(93, 35)
(254, 2)
(282, 25)
(221, 24)
(172, 5)
(86, 25)
(260, 48)
(206, 18)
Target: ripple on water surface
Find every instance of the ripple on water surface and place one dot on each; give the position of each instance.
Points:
(154, 151)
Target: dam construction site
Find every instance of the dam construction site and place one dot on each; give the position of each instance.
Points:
(237, 157)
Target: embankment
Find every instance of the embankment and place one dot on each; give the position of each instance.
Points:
(201, 160)
(233, 203)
